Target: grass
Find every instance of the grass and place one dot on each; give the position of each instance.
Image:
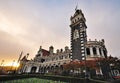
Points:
(32, 80)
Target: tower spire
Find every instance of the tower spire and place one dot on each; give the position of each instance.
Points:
(76, 7)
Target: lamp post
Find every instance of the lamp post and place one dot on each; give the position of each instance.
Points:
(1, 66)
(18, 62)
(111, 72)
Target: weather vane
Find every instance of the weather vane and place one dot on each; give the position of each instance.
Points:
(76, 6)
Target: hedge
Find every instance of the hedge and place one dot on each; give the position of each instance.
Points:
(50, 77)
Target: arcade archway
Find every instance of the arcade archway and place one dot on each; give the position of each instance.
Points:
(33, 69)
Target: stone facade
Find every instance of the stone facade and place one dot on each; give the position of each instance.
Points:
(78, 35)
(46, 61)
(95, 49)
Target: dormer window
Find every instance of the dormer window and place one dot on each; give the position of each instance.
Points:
(94, 51)
(72, 21)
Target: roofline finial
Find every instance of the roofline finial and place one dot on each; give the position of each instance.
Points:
(76, 7)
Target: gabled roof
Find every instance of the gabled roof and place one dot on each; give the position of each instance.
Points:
(24, 59)
(45, 52)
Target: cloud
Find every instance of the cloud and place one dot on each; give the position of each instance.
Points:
(25, 25)
(27, 29)
(103, 22)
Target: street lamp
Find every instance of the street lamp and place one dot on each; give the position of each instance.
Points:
(1, 66)
(2, 62)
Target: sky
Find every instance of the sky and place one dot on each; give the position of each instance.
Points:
(25, 25)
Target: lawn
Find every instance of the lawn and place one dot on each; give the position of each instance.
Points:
(32, 80)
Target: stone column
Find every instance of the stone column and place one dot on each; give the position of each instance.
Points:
(23, 70)
(98, 53)
(29, 69)
(37, 70)
(102, 53)
(91, 51)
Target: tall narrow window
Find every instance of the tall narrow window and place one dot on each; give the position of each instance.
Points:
(100, 51)
(94, 51)
(88, 51)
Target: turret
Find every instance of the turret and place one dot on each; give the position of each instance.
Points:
(66, 48)
(51, 50)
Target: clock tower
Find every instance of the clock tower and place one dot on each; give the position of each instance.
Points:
(78, 35)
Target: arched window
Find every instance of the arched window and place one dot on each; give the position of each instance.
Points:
(72, 21)
(33, 69)
(100, 51)
(88, 51)
(94, 51)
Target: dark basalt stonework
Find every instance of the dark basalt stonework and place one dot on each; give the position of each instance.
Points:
(76, 43)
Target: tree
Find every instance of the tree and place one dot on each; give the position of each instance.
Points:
(75, 65)
(72, 65)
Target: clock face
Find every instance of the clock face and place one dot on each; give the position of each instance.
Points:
(75, 34)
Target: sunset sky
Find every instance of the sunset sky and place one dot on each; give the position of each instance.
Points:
(27, 24)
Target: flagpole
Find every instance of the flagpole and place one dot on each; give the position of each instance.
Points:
(18, 61)
(27, 55)
(20, 57)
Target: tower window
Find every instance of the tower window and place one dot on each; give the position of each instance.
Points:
(82, 41)
(82, 51)
(81, 33)
(83, 58)
(94, 51)
(88, 51)
(83, 54)
(82, 45)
